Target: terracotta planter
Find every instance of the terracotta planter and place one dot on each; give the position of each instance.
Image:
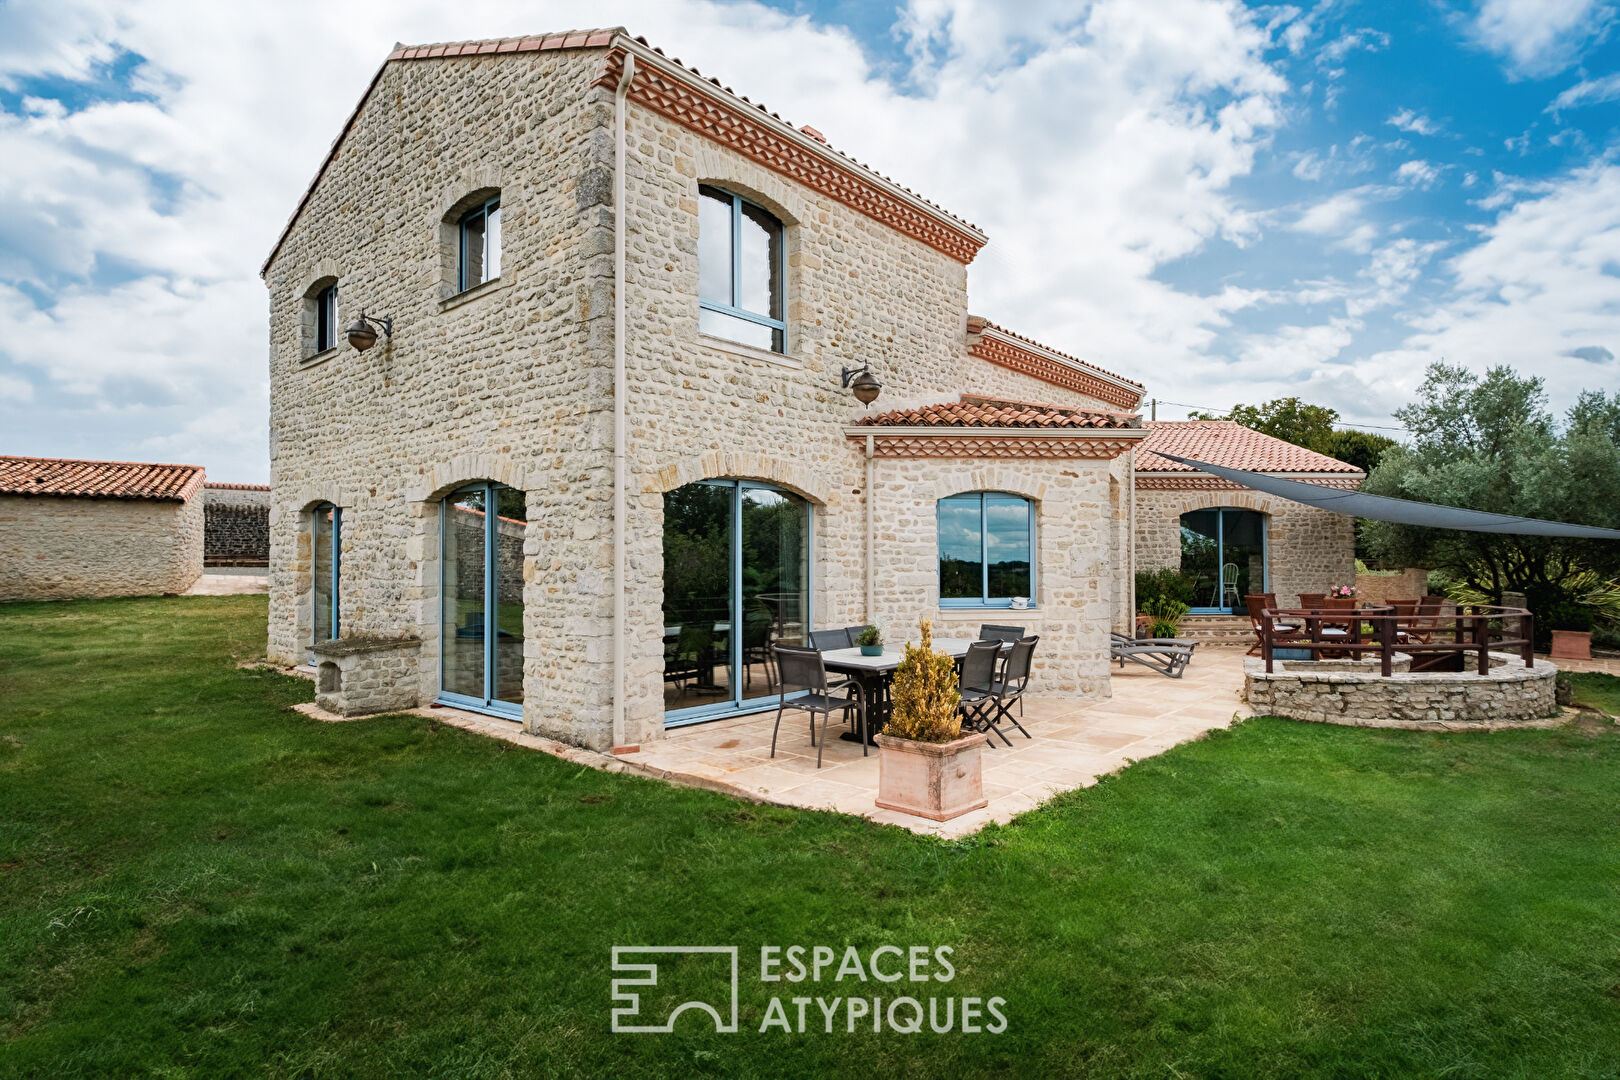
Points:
(1571, 645)
(1143, 624)
(932, 780)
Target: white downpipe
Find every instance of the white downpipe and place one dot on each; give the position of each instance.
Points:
(871, 538)
(620, 389)
(1130, 550)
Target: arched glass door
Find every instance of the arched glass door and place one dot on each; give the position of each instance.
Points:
(736, 582)
(481, 589)
(1224, 551)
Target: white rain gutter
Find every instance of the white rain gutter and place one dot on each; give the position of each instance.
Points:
(620, 389)
(871, 537)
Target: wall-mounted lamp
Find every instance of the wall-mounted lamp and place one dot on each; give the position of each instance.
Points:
(862, 383)
(362, 333)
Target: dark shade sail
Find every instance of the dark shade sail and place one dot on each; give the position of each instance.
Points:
(1400, 511)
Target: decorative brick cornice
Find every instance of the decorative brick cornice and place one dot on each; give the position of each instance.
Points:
(799, 157)
(1209, 483)
(1004, 350)
(992, 443)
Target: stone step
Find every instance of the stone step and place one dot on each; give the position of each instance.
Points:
(1218, 629)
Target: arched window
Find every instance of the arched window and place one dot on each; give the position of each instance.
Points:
(986, 549)
(740, 271)
(480, 259)
(326, 538)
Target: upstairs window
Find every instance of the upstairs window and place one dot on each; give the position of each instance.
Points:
(480, 245)
(986, 549)
(739, 271)
(326, 318)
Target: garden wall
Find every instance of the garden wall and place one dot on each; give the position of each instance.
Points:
(236, 525)
(1512, 695)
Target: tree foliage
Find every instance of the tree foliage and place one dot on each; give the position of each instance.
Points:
(1492, 444)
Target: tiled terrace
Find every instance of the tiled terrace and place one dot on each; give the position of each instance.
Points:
(1073, 744)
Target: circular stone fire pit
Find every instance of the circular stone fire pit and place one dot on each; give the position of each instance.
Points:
(1353, 692)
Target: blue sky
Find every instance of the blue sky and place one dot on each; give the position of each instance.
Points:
(1226, 202)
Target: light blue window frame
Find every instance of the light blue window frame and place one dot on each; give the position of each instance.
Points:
(984, 599)
(336, 542)
(778, 301)
(484, 210)
(510, 710)
(736, 706)
(326, 318)
(1220, 556)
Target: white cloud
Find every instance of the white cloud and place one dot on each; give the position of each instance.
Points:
(1414, 122)
(1538, 292)
(1332, 216)
(16, 390)
(1417, 173)
(1588, 92)
(1538, 38)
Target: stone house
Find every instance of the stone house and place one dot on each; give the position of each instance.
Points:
(98, 528)
(1231, 539)
(596, 463)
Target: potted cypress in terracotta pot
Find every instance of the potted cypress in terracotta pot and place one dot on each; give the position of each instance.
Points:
(926, 766)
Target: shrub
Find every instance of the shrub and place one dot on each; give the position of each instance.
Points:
(870, 636)
(1168, 582)
(1569, 616)
(925, 695)
(1166, 615)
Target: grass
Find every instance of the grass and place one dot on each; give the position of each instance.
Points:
(1595, 691)
(197, 882)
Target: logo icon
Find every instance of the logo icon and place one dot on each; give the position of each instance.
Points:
(694, 972)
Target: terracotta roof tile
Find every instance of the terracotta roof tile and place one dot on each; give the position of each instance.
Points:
(977, 323)
(98, 479)
(1223, 442)
(983, 412)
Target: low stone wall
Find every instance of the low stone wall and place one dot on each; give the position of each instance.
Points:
(1512, 695)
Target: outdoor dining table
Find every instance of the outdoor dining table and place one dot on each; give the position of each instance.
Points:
(874, 674)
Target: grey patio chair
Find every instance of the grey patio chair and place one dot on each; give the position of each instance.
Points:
(803, 669)
(992, 632)
(977, 683)
(1167, 656)
(822, 640)
(855, 632)
(1009, 689)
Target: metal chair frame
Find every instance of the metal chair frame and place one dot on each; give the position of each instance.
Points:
(805, 668)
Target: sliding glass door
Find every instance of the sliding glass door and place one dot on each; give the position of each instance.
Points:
(1224, 551)
(481, 589)
(736, 582)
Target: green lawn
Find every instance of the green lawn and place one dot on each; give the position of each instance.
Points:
(197, 882)
(1595, 691)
